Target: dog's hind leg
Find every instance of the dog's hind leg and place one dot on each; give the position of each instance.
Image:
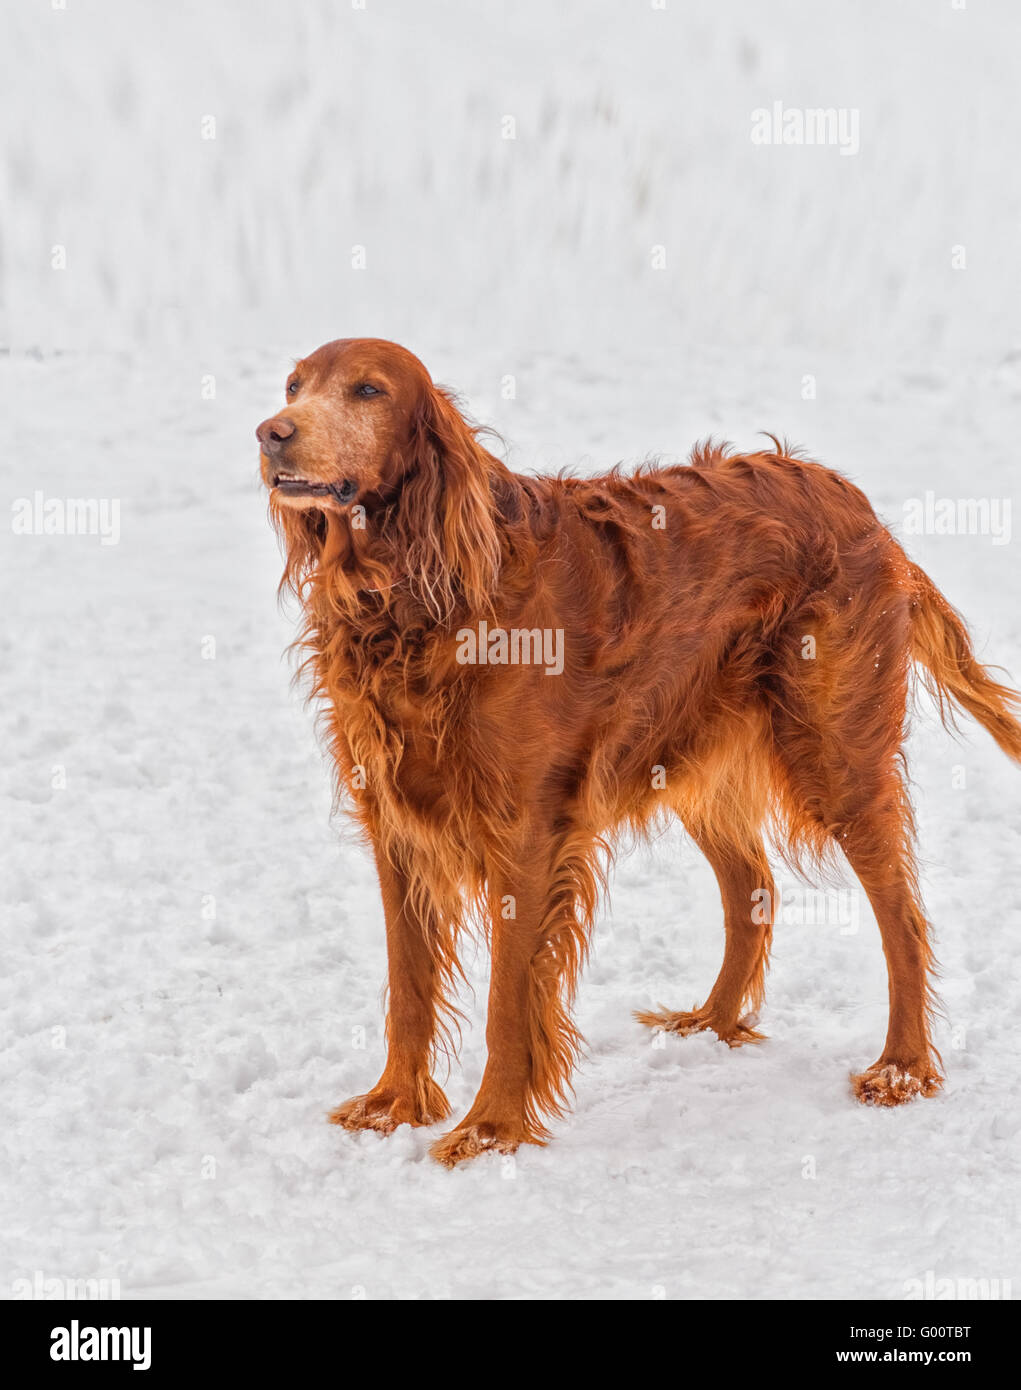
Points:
(746, 888)
(838, 739)
(864, 809)
(877, 843)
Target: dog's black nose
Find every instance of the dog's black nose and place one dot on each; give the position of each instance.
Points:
(273, 434)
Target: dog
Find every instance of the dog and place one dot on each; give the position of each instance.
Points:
(514, 669)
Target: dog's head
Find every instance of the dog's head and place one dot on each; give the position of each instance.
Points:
(348, 420)
(368, 451)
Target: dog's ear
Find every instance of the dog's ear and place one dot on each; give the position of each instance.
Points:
(446, 519)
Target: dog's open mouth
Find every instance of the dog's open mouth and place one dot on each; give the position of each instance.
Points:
(293, 485)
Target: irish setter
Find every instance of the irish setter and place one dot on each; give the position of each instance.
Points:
(513, 669)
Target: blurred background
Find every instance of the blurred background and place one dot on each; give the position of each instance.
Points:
(213, 169)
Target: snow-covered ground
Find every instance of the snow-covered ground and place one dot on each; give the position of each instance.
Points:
(192, 952)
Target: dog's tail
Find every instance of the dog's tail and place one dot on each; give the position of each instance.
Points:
(941, 645)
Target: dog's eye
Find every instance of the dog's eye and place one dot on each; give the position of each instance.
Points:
(367, 389)
(292, 388)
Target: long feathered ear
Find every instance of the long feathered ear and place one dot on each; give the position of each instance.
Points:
(446, 517)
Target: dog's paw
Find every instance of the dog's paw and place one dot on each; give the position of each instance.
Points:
(895, 1083)
(699, 1021)
(470, 1140)
(384, 1108)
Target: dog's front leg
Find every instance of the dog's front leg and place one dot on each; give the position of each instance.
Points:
(541, 904)
(406, 1092)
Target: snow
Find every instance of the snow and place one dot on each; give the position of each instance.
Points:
(192, 952)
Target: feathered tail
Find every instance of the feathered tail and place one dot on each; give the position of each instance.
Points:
(942, 646)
